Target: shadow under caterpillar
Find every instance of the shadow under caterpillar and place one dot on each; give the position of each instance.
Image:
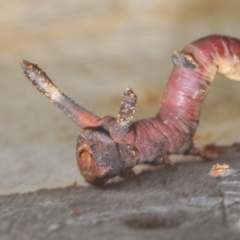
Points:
(113, 146)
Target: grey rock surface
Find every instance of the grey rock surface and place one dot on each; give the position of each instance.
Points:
(182, 203)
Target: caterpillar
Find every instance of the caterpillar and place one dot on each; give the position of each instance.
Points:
(112, 146)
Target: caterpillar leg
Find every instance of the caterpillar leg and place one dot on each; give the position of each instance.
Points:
(194, 151)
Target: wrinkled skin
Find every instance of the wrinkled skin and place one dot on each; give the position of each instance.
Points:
(113, 146)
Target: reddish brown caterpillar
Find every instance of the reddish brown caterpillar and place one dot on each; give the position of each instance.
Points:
(113, 146)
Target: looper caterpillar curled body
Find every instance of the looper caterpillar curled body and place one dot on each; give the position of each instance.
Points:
(113, 146)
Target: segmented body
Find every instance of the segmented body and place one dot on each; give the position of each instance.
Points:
(176, 122)
(151, 139)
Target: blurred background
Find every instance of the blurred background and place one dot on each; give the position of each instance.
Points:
(93, 50)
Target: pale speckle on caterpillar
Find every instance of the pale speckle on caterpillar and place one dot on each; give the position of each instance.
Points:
(113, 146)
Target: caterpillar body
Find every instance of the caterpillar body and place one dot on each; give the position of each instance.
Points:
(113, 146)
